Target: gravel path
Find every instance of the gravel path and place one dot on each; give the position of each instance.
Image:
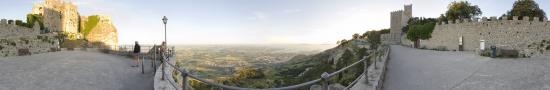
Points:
(72, 70)
(413, 69)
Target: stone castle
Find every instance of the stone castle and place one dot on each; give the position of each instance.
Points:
(529, 37)
(399, 20)
(58, 17)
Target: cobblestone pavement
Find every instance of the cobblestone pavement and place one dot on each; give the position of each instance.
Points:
(413, 69)
(73, 70)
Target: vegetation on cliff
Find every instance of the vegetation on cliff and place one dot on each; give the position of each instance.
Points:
(31, 20)
(89, 25)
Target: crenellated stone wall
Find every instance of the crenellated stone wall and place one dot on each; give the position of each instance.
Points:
(18, 40)
(507, 34)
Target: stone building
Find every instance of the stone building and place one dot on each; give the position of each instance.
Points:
(399, 20)
(63, 17)
(528, 37)
(59, 16)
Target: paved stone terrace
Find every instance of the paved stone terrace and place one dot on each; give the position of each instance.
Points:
(413, 69)
(73, 70)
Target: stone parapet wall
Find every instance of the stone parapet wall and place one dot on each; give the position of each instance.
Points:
(18, 40)
(512, 34)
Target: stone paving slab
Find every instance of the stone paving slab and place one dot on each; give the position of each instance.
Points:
(72, 70)
(413, 69)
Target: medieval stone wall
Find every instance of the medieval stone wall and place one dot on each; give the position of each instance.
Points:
(512, 34)
(17, 40)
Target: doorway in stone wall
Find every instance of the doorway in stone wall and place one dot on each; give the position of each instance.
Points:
(461, 43)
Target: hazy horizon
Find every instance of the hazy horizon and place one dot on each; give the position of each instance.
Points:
(193, 22)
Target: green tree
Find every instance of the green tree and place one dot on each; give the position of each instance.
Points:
(442, 18)
(342, 42)
(248, 72)
(420, 29)
(462, 9)
(374, 36)
(356, 36)
(528, 8)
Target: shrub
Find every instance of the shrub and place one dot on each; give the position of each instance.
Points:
(509, 53)
(486, 53)
(441, 48)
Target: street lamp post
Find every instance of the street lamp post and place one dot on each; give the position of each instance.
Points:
(165, 20)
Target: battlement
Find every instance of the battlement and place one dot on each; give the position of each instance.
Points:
(5, 23)
(397, 12)
(493, 19)
(408, 6)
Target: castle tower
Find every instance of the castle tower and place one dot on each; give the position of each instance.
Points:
(407, 14)
(59, 16)
(70, 18)
(399, 19)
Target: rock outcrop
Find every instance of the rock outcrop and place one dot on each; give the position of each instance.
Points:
(101, 35)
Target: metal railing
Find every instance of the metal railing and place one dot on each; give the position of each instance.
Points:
(324, 80)
(382, 77)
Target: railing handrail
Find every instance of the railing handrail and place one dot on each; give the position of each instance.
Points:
(323, 77)
(381, 80)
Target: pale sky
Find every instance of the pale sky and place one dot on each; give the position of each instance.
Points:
(253, 21)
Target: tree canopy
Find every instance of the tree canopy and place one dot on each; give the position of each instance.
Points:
(373, 36)
(420, 28)
(462, 9)
(528, 8)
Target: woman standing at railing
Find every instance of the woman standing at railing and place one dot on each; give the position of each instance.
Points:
(137, 50)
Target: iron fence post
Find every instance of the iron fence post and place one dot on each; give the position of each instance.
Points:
(155, 54)
(366, 70)
(325, 79)
(142, 67)
(184, 80)
(375, 59)
(163, 60)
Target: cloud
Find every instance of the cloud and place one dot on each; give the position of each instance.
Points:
(288, 11)
(260, 16)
